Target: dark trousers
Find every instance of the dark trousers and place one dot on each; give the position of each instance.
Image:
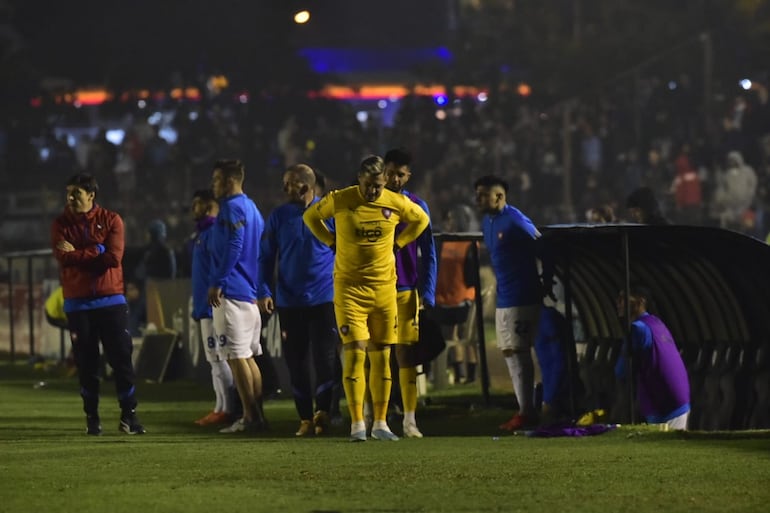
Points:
(307, 331)
(110, 326)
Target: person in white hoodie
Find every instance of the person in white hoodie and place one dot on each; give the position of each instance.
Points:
(736, 188)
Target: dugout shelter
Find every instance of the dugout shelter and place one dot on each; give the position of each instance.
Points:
(710, 286)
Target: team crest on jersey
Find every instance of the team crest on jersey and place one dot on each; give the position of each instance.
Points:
(345, 329)
(387, 213)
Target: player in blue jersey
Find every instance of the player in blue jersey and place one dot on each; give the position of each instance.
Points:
(233, 281)
(304, 291)
(398, 172)
(511, 238)
(662, 385)
(204, 210)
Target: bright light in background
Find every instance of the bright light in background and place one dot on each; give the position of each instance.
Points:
(745, 84)
(441, 114)
(155, 118)
(524, 89)
(440, 99)
(169, 134)
(482, 97)
(301, 17)
(671, 85)
(362, 116)
(382, 104)
(141, 104)
(115, 136)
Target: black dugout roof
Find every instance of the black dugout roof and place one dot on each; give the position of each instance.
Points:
(710, 286)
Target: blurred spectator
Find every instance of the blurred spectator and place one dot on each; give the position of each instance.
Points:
(657, 176)
(158, 259)
(601, 214)
(687, 188)
(137, 309)
(736, 188)
(643, 207)
(54, 309)
(455, 295)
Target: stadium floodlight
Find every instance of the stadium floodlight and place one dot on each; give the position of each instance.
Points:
(301, 17)
(745, 84)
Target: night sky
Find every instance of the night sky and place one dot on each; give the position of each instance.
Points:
(97, 41)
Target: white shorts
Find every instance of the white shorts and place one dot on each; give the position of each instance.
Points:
(516, 327)
(204, 332)
(238, 326)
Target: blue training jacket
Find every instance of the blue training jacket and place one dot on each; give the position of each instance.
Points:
(234, 248)
(305, 263)
(201, 266)
(510, 238)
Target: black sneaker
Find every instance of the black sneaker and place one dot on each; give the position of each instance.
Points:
(93, 425)
(130, 424)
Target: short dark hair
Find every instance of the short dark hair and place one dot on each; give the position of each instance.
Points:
(231, 168)
(85, 181)
(204, 195)
(399, 157)
(491, 181)
(371, 165)
(638, 289)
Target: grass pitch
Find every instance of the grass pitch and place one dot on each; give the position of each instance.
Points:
(48, 464)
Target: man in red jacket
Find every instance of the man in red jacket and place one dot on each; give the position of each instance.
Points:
(88, 243)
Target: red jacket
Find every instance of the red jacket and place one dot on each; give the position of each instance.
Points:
(86, 273)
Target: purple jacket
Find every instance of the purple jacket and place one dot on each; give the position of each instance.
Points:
(406, 260)
(663, 389)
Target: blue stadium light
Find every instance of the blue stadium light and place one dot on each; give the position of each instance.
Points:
(440, 100)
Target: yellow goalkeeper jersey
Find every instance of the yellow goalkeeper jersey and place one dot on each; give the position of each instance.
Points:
(365, 232)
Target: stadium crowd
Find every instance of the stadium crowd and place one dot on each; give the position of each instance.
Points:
(704, 171)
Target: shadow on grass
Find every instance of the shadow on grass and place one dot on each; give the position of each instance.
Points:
(169, 408)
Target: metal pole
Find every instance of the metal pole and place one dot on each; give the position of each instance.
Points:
(480, 324)
(10, 308)
(566, 162)
(629, 348)
(31, 307)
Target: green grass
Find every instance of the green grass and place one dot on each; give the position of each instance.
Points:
(48, 464)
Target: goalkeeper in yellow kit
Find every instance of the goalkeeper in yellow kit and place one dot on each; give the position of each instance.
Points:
(366, 216)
